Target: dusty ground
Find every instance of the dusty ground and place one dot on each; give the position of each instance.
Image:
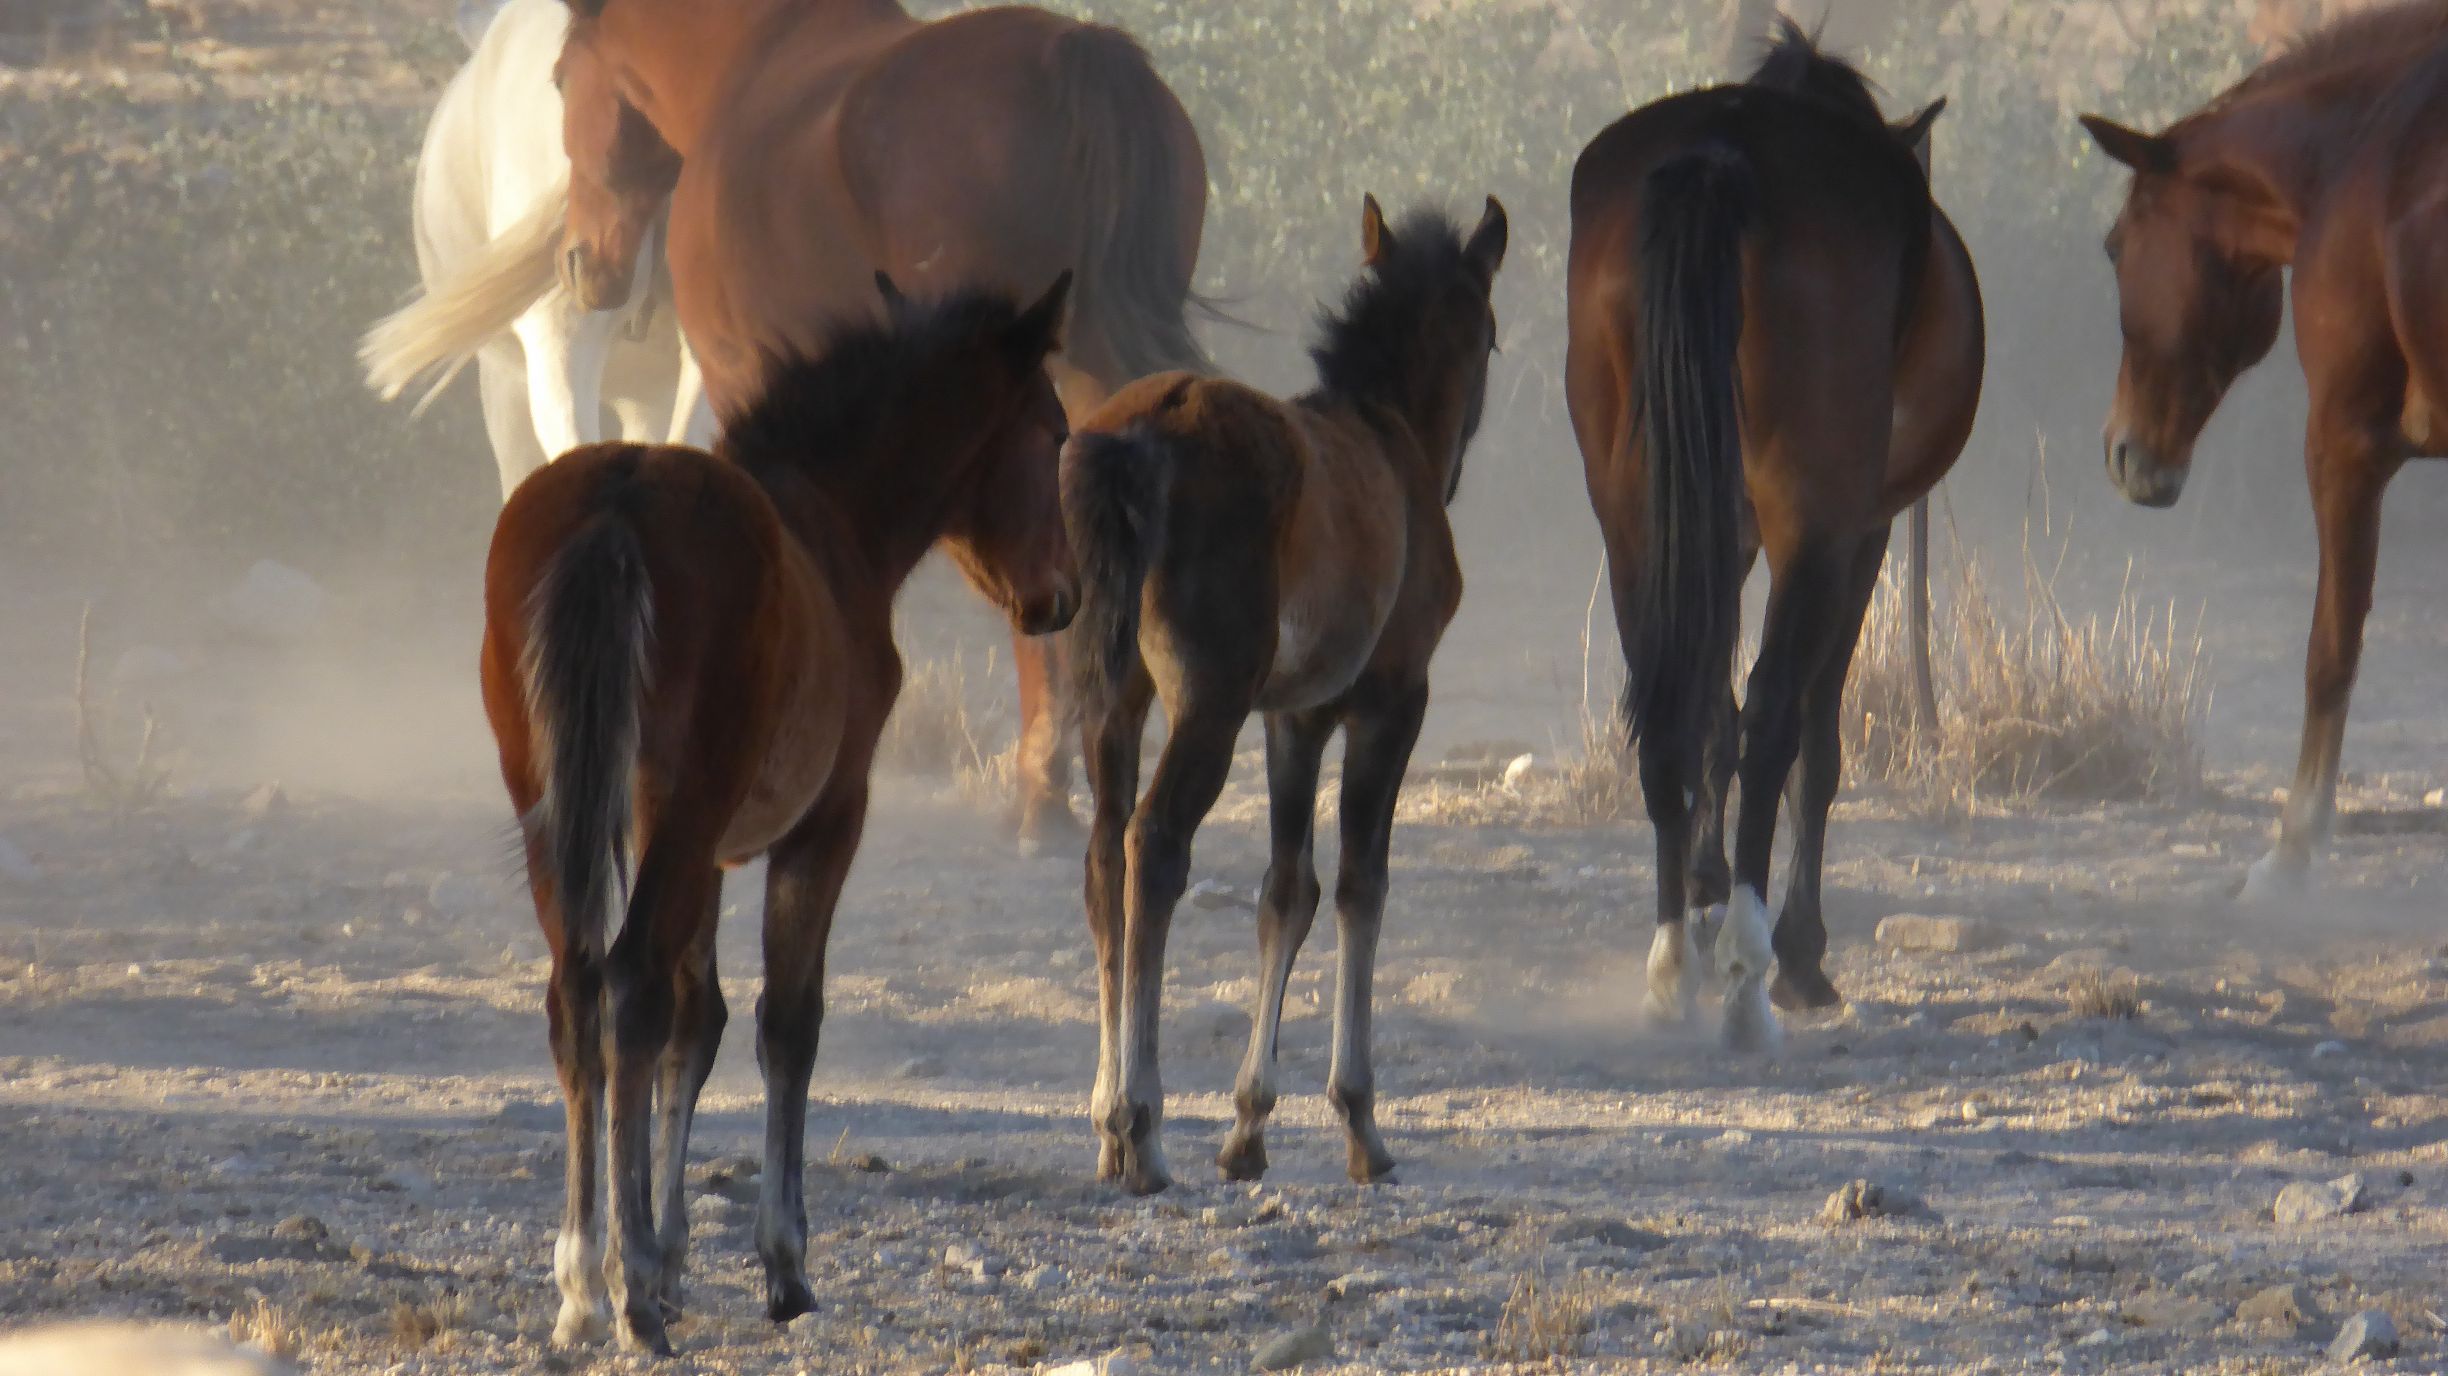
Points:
(217, 1020)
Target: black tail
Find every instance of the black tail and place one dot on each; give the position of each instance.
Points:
(1134, 280)
(1695, 209)
(1115, 488)
(590, 620)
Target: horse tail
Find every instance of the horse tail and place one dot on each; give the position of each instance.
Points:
(1696, 209)
(1115, 488)
(436, 334)
(590, 621)
(1134, 276)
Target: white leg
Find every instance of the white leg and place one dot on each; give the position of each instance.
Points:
(1747, 960)
(578, 1267)
(1673, 953)
(566, 352)
(501, 384)
(692, 420)
(2275, 879)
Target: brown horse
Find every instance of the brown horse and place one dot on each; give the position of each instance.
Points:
(2328, 161)
(1776, 343)
(693, 657)
(1242, 554)
(820, 139)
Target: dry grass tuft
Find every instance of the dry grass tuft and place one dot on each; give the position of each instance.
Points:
(142, 781)
(1543, 1320)
(2035, 705)
(2105, 994)
(933, 732)
(415, 1324)
(268, 1328)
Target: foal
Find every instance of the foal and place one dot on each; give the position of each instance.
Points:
(1243, 554)
(693, 656)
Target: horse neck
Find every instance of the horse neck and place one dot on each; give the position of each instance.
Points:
(868, 518)
(2291, 140)
(1436, 437)
(681, 54)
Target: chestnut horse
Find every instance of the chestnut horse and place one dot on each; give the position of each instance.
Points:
(2328, 161)
(1776, 342)
(821, 139)
(693, 657)
(1242, 554)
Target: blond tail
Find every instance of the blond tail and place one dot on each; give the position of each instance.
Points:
(435, 335)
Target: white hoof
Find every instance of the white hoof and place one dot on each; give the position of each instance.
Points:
(1750, 1020)
(581, 1325)
(1672, 954)
(2274, 879)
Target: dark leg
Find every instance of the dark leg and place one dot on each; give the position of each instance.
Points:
(1189, 774)
(1113, 733)
(1803, 599)
(698, 1018)
(668, 906)
(1047, 716)
(803, 883)
(2347, 485)
(1711, 879)
(1376, 751)
(1296, 744)
(1801, 931)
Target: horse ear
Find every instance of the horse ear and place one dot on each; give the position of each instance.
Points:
(1913, 132)
(1039, 329)
(1376, 241)
(2137, 150)
(1486, 249)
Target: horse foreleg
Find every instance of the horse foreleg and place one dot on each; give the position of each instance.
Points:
(1296, 747)
(803, 883)
(1190, 773)
(692, 419)
(1044, 817)
(1376, 752)
(501, 386)
(567, 349)
(698, 1018)
(2348, 481)
(1800, 939)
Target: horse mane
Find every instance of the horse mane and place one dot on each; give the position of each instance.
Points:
(2346, 41)
(829, 403)
(1364, 348)
(1795, 63)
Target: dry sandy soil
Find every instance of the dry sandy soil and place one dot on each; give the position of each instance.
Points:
(295, 1056)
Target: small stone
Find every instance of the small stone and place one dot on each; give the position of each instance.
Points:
(960, 1255)
(2368, 1334)
(1214, 895)
(267, 801)
(301, 1228)
(2161, 1309)
(1119, 1362)
(2307, 1202)
(2097, 1337)
(2287, 1307)
(1860, 1199)
(1292, 1348)
(921, 1068)
(868, 1163)
(2326, 1051)
(1945, 935)
(1357, 1284)
(987, 1268)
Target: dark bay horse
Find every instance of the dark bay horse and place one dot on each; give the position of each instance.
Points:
(690, 658)
(1241, 554)
(2329, 161)
(814, 141)
(1776, 344)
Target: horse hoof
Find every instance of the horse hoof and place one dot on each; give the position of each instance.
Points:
(1050, 828)
(1803, 991)
(1370, 1164)
(1671, 956)
(786, 1300)
(1243, 1158)
(581, 1327)
(2275, 879)
(1750, 1023)
(644, 1333)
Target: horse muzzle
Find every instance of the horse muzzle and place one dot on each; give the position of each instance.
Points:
(2144, 478)
(590, 283)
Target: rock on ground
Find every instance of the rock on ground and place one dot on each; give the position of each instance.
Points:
(2368, 1334)
(1918, 932)
(1291, 1348)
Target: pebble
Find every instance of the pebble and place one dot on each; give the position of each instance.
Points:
(961, 1255)
(2280, 1306)
(1292, 1348)
(1119, 1362)
(2160, 1309)
(1861, 1199)
(1356, 1284)
(1215, 895)
(921, 1068)
(2305, 1201)
(2328, 1051)
(1921, 932)
(2368, 1334)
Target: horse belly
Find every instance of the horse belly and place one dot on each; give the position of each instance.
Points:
(800, 751)
(1322, 642)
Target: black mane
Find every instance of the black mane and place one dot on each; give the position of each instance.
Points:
(1795, 63)
(1368, 347)
(829, 403)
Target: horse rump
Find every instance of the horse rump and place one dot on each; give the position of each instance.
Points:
(1695, 210)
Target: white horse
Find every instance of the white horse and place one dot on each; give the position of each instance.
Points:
(492, 186)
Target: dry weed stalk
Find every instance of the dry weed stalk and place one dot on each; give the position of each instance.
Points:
(143, 782)
(267, 1328)
(1543, 1320)
(2100, 994)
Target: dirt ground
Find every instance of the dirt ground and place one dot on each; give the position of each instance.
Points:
(292, 1055)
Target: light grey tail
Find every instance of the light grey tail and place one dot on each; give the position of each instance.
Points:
(590, 624)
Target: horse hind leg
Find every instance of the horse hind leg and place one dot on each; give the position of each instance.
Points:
(1801, 930)
(573, 1009)
(1112, 735)
(1296, 747)
(698, 1018)
(1377, 752)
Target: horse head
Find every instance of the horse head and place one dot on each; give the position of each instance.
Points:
(621, 173)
